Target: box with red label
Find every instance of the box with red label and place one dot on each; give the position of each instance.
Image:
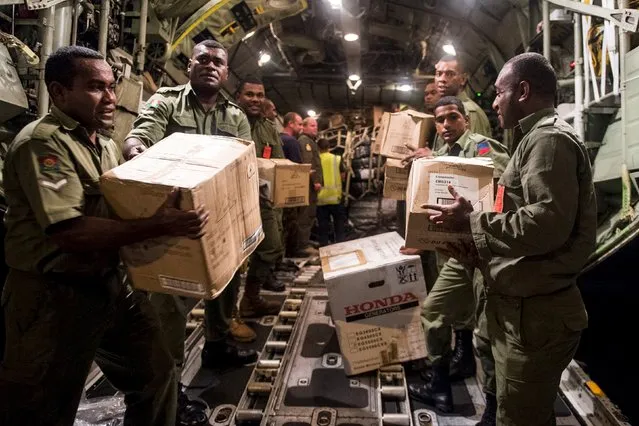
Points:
(375, 295)
(428, 184)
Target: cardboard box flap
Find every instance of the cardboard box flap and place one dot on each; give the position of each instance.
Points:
(200, 158)
(417, 114)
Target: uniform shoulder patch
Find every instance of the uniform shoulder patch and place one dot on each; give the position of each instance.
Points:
(49, 163)
(483, 147)
(152, 103)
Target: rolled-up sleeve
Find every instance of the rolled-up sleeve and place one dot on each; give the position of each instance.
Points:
(550, 188)
(150, 125)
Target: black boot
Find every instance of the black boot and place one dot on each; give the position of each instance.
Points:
(489, 418)
(190, 412)
(220, 355)
(463, 365)
(437, 392)
(272, 284)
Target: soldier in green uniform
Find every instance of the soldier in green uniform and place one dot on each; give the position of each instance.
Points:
(310, 155)
(64, 301)
(262, 263)
(198, 108)
(451, 79)
(531, 248)
(458, 294)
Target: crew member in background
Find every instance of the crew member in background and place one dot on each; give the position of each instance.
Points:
(451, 79)
(261, 271)
(532, 247)
(197, 107)
(431, 96)
(329, 199)
(291, 146)
(310, 155)
(458, 296)
(268, 110)
(64, 301)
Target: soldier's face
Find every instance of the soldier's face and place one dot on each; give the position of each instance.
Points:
(250, 99)
(431, 96)
(506, 103)
(450, 123)
(449, 78)
(310, 128)
(208, 68)
(91, 98)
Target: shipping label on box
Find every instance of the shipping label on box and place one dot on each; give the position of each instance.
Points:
(218, 173)
(401, 130)
(395, 179)
(428, 184)
(283, 182)
(375, 295)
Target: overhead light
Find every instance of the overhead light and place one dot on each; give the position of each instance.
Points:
(449, 49)
(335, 4)
(264, 58)
(249, 35)
(353, 77)
(405, 88)
(351, 37)
(311, 113)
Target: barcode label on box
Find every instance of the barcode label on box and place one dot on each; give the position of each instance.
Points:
(172, 283)
(400, 149)
(294, 200)
(445, 201)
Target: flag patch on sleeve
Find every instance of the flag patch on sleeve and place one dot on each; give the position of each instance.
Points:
(483, 148)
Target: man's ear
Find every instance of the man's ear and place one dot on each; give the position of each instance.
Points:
(57, 91)
(524, 91)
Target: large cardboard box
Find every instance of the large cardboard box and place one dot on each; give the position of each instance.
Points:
(219, 173)
(428, 184)
(375, 296)
(286, 184)
(401, 129)
(395, 179)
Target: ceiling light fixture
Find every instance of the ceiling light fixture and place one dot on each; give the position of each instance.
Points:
(335, 4)
(351, 37)
(449, 49)
(264, 58)
(311, 113)
(249, 35)
(405, 88)
(353, 77)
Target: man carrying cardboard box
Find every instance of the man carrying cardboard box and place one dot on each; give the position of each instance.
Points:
(532, 247)
(197, 108)
(261, 272)
(64, 300)
(292, 151)
(457, 298)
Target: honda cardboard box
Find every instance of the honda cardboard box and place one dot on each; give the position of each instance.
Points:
(375, 297)
(218, 173)
(428, 184)
(402, 132)
(395, 179)
(285, 183)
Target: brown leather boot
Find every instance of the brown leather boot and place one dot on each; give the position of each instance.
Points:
(241, 332)
(254, 305)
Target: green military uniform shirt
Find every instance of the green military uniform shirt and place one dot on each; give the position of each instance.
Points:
(265, 135)
(52, 174)
(543, 228)
(177, 109)
(471, 145)
(311, 155)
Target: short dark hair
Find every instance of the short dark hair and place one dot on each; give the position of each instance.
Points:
(323, 144)
(537, 71)
(289, 118)
(61, 65)
(247, 80)
(451, 58)
(451, 100)
(211, 44)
